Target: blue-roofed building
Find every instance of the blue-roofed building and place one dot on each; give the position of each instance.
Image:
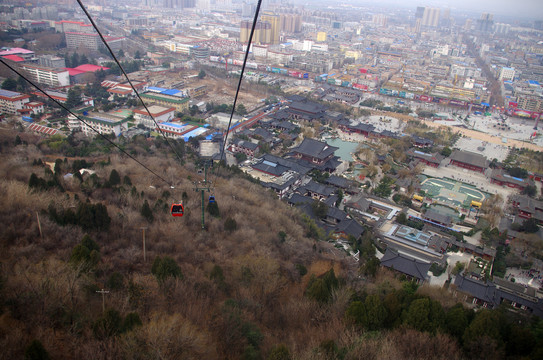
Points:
(156, 89)
(194, 133)
(173, 92)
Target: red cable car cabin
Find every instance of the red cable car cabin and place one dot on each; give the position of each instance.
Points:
(177, 209)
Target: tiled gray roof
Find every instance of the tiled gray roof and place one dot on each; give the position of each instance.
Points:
(471, 158)
(437, 217)
(351, 227)
(405, 264)
(315, 148)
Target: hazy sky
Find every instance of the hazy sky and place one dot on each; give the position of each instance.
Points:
(528, 8)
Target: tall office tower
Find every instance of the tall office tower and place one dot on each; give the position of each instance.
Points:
(485, 23)
(430, 17)
(274, 22)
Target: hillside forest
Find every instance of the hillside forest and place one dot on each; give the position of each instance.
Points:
(259, 282)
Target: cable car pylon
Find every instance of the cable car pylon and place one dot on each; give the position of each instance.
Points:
(202, 189)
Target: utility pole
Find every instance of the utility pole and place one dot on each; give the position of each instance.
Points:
(39, 224)
(202, 189)
(103, 292)
(143, 234)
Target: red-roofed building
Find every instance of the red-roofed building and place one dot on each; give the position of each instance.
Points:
(159, 113)
(120, 91)
(35, 107)
(42, 129)
(11, 101)
(74, 72)
(123, 89)
(62, 97)
(15, 58)
(24, 53)
(90, 68)
(108, 84)
(76, 26)
(77, 73)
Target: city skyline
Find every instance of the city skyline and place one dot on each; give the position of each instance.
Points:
(522, 8)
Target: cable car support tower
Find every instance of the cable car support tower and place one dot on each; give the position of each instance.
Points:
(204, 186)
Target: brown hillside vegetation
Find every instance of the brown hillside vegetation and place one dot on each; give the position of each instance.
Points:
(252, 285)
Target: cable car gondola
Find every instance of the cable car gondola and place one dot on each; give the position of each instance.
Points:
(211, 199)
(177, 209)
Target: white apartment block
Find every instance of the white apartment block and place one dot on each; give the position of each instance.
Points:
(35, 106)
(104, 124)
(159, 113)
(11, 101)
(73, 123)
(75, 40)
(47, 76)
(506, 74)
(77, 26)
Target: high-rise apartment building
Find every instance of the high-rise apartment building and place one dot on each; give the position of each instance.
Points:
(430, 17)
(290, 23)
(379, 19)
(485, 23)
(262, 35)
(247, 10)
(273, 19)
